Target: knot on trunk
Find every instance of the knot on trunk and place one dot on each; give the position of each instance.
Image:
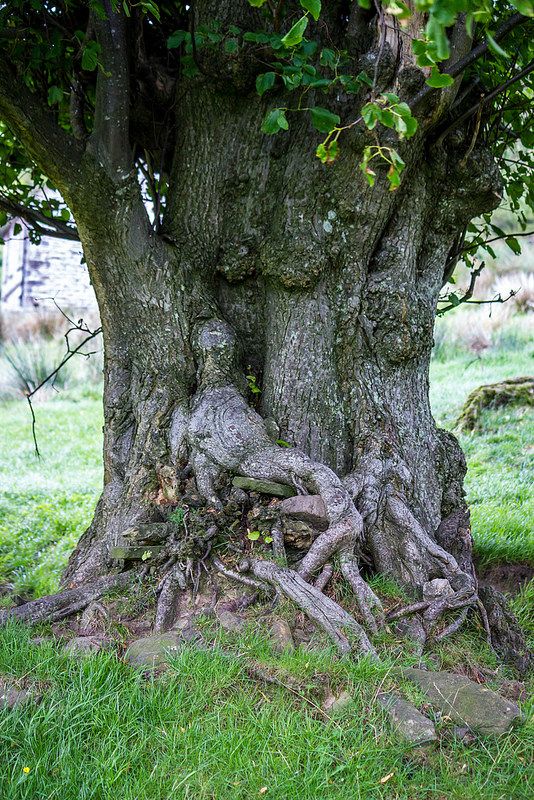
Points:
(402, 324)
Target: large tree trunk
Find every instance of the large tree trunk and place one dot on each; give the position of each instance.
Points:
(325, 290)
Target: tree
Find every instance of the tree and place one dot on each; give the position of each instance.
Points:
(270, 197)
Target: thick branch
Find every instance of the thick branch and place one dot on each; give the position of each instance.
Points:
(110, 139)
(55, 152)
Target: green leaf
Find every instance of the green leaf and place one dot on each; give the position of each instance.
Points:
(313, 6)
(323, 120)
(253, 536)
(275, 121)
(438, 80)
(328, 58)
(399, 9)
(231, 46)
(268, 539)
(371, 114)
(513, 244)
(295, 34)
(435, 33)
(256, 3)
(393, 177)
(55, 95)
(525, 7)
(495, 47)
(90, 56)
(264, 82)
(327, 154)
(176, 39)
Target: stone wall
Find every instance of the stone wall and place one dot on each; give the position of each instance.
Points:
(33, 275)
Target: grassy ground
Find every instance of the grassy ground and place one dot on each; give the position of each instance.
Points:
(204, 730)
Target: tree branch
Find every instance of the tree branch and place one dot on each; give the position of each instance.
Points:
(477, 52)
(33, 123)
(486, 99)
(110, 137)
(44, 225)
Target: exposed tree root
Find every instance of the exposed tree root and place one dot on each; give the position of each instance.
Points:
(340, 626)
(64, 604)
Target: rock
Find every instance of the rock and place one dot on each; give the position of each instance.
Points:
(298, 534)
(412, 628)
(407, 720)
(464, 733)
(228, 620)
(153, 651)
(336, 702)
(466, 702)
(281, 636)
(308, 508)
(127, 553)
(83, 646)
(11, 697)
(263, 487)
(439, 587)
(148, 533)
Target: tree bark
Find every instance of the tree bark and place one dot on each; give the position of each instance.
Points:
(274, 266)
(319, 288)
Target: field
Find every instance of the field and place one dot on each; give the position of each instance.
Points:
(204, 729)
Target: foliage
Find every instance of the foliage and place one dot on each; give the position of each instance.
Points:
(299, 70)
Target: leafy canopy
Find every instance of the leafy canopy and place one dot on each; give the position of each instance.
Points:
(299, 69)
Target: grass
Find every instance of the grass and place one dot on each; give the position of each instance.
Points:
(204, 730)
(46, 504)
(500, 478)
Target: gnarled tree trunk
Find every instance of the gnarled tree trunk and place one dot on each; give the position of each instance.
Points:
(323, 289)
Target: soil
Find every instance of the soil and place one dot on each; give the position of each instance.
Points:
(506, 578)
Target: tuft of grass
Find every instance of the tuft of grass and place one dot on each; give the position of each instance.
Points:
(47, 503)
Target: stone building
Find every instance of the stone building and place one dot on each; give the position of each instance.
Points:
(35, 274)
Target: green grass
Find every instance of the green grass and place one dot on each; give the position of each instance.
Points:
(204, 730)
(500, 477)
(47, 503)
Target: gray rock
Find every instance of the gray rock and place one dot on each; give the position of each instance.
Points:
(11, 697)
(439, 587)
(465, 702)
(407, 720)
(308, 508)
(281, 636)
(336, 702)
(128, 553)
(153, 651)
(83, 646)
(228, 620)
(263, 487)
